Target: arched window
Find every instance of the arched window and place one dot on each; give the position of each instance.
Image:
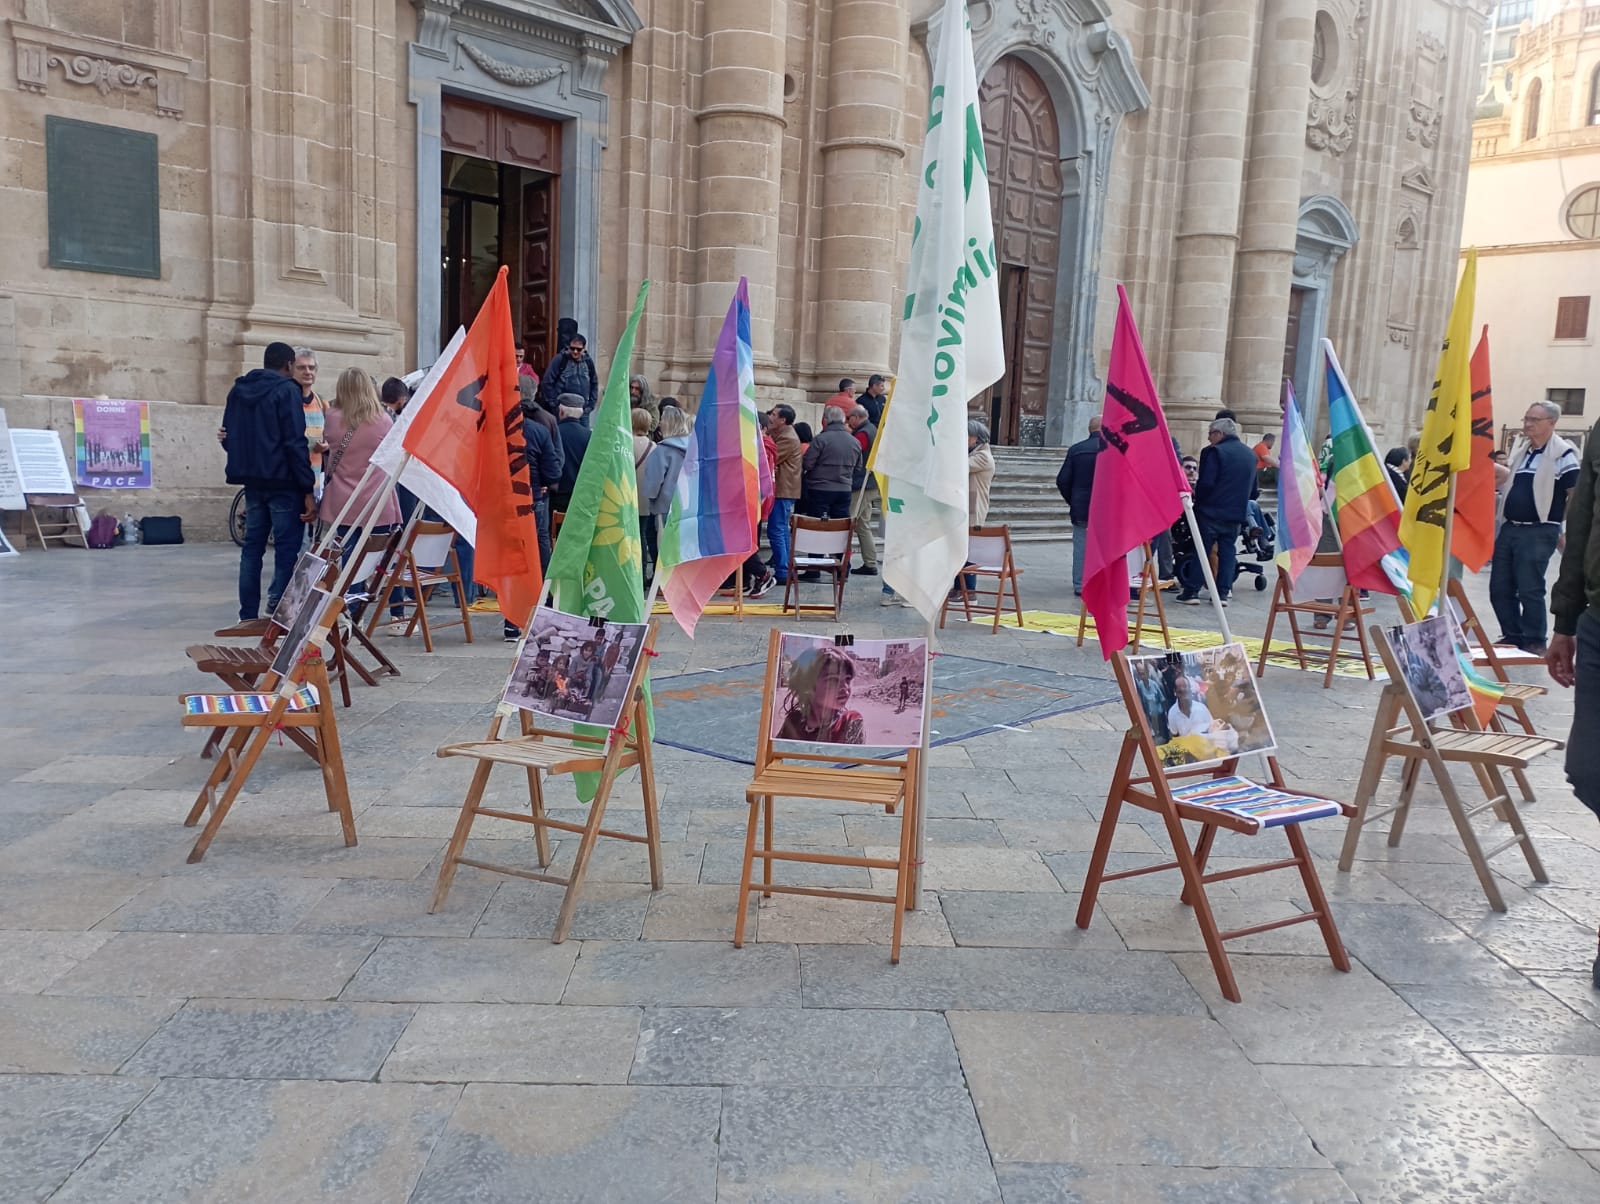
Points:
(1594, 97)
(1530, 111)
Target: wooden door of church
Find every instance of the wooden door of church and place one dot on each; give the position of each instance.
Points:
(1022, 141)
(539, 250)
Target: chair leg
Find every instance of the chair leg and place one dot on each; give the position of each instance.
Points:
(1409, 773)
(461, 596)
(1107, 835)
(218, 774)
(1202, 854)
(1195, 890)
(1371, 775)
(766, 843)
(1524, 841)
(1319, 900)
(902, 878)
(1469, 837)
(652, 815)
(1016, 598)
(236, 780)
(586, 843)
(748, 869)
(334, 780)
(458, 838)
(421, 614)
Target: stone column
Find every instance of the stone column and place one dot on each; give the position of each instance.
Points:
(1208, 216)
(741, 159)
(1265, 266)
(861, 178)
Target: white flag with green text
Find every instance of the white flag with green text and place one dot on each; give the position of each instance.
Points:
(951, 347)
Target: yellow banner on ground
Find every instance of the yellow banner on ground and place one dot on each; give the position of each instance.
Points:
(1445, 449)
(1184, 639)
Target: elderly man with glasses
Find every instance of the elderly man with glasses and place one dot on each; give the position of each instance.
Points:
(1544, 468)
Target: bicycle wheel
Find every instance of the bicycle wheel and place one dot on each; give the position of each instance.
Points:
(236, 514)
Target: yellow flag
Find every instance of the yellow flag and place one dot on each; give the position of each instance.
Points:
(877, 442)
(1445, 450)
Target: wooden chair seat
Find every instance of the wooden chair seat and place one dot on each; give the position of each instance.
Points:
(1251, 807)
(1523, 691)
(552, 756)
(245, 709)
(229, 658)
(1502, 748)
(790, 780)
(249, 629)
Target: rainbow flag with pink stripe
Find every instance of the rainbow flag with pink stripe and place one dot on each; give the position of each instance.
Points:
(711, 527)
(1365, 508)
(1299, 491)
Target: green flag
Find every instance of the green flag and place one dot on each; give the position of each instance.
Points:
(596, 568)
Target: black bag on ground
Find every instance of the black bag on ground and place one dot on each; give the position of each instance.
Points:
(161, 528)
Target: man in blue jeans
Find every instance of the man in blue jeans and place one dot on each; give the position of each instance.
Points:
(1222, 495)
(264, 434)
(1544, 469)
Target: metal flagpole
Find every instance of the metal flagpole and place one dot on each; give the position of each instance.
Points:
(1205, 567)
(919, 826)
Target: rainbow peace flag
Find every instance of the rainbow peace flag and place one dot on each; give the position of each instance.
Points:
(711, 527)
(1365, 508)
(1486, 692)
(1299, 492)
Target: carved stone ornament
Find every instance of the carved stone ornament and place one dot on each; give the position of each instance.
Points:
(1400, 334)
(1040, 25)
(1331, 121)
(106, 67)
(508, 73)
(1423, 123)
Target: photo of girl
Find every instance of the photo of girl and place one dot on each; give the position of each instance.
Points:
(869, 693)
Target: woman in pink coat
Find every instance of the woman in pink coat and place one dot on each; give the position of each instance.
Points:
(356, 423)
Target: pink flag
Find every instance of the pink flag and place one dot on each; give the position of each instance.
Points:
(1138, 483)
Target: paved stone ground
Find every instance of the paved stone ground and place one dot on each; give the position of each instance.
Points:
(285, 1021)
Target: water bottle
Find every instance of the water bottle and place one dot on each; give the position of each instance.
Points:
(130, 530)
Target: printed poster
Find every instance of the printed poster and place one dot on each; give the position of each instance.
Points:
(570, 668)
(1202, 707)
(872, 692)
(112, 439)
(10, 478)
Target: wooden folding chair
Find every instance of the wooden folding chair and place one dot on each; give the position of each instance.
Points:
(543, 750)
(426, 559)
(1486, 655)
(63, 530)
(819, 545)
(377, 552)
(1145, 581)
(1323, 578)
(838, 775)
(1215, 797)
(988, 556)
(1401, 728)
(295, 702)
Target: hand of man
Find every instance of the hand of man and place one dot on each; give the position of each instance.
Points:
(309, 515)
(1559, 659)
(222, 435)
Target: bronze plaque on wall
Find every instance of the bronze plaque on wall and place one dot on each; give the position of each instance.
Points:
(104, 199)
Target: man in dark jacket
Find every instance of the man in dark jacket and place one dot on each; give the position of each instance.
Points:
(547, 456)
(872, 399)
(572, 371)
(1075, 483)
(829, 468)
(574, 437)
(1574, 653)
(863, 488)
(264, 432)
(1221, 502)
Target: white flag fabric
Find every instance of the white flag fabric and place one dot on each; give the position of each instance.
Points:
(431, 489)
(951, 347)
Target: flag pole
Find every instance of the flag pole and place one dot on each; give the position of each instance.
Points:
(1449, 533)
(1205, 566)
(919, 825)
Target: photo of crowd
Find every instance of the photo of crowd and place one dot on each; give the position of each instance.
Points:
(572, 669)
(1201, 706)
(868, 693)
(1426, 652)
(293, 646)
(308, 571)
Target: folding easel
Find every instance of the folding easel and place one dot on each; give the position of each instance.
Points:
(988, 555)
(1147, 581)
(1323, 577)
(1215, 798)
(542, 750)
(887, 782)
(1400, 729)
(293, 699)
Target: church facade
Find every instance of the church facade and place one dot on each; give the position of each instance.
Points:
(347, 175)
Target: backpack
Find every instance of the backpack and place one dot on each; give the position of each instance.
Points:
(102, 531)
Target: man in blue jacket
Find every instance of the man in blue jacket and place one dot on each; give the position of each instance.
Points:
(572, 371)
(1222, 496)
(1075, 483)
(264, 432)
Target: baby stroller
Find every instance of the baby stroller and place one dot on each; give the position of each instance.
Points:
(1259, 538)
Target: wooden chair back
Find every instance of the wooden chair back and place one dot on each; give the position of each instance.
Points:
(819, 545)
(1324, 593)
(816, 538)
(1145, 585)
(432, 546)
(989, 549)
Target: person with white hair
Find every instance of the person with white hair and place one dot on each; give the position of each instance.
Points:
(829, 467)
(1544, 468)
(574, 435)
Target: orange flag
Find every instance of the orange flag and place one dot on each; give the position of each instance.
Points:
(1472, 535)
(470, 433)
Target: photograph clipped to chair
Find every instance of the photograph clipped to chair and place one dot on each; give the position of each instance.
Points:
(1202, 706)
(868, 693)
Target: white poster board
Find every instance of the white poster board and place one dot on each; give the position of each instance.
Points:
(10, 479)
(5, 547)
(41, 463)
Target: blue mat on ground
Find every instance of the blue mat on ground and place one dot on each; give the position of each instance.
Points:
(716, 711)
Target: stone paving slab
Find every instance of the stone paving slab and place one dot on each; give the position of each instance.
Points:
(685, 974)
(1557, 1088)
(218, 965)
(50, 1034)
(1137, 1089)
(811, 920)
(211, 1139)
(461, 970)
(248, 1039)
(219, 905)
(1519, 1019)
(607, 911)
(50, 1123)
(793, 1047)
(1025, 920)
(620, 1145)
(32, 961)
(515, 1043)
(1406, 1135)
(381, 907)
(1047, 1183)
(815, 1144)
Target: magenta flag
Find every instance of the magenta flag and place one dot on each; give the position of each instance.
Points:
(1138, 482)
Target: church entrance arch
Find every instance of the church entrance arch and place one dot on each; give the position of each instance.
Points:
(1022, 142)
